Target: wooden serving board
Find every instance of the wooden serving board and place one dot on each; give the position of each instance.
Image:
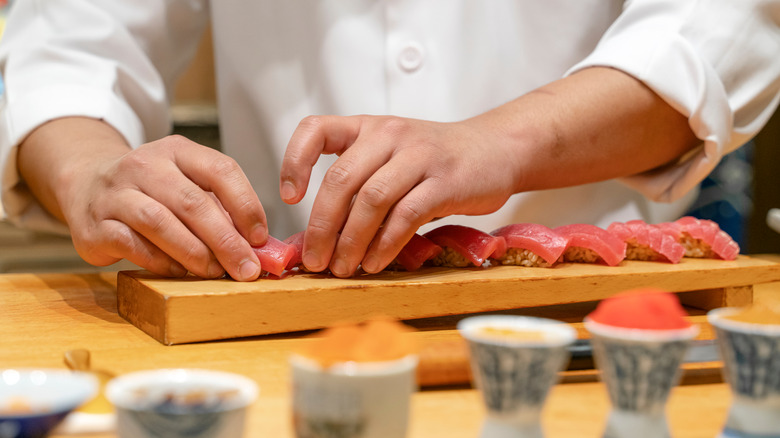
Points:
(176, 311)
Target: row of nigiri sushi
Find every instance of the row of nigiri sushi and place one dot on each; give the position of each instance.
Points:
(528, 244)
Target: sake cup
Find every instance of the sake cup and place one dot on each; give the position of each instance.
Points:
(751, 367)
(178, 403)
(34, 401)
(639, 367)
(352, 399)
(514, 374)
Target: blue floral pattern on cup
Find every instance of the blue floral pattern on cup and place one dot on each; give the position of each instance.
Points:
(751, 367)
(515, 374)
(638, 377)
(751, 363)
(513, 378)
(639, 367)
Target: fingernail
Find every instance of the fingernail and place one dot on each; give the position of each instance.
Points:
(311, 260)
(177, 270)
(371, 264)
(339, 268)
(288, 191)
(248, 270)
(258, 235)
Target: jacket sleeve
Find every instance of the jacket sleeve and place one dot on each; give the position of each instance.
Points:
(114, 60)
(716, 62)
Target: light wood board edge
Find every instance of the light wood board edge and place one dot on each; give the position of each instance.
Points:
(228, 312)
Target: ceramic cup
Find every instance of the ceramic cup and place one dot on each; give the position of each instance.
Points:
(515, 374)
(639, 368)
(751, 366)
(352, 399)
(178, 403)
(34, 401)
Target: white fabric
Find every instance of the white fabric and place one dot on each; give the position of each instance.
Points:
(446, 60)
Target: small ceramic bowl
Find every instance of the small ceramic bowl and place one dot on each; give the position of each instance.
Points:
(35, 401)
(352, 399)
(176, 403)
(751, 366)
(514, 368)
(639, 367)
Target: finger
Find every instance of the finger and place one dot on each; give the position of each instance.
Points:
(116, 241)
(164, 230)
(376, 197)
(314, 136)
(220, 174)
(331, 206)
(198, 211)
(417, 208)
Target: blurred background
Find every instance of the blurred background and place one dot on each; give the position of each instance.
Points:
(737, 195)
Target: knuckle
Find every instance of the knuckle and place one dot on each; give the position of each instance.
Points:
(338, 175)
(175, 140)
(134, 161)
(228, 242)
(312, 123)
(394, 126)
(197, 259)
(119, 238)
(348, 241)
(153, 217)
(375, 194)
(410, 212)
(193, 200)
(225, 168)
(319, 226)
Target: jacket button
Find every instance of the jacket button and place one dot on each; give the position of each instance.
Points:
(411, 57)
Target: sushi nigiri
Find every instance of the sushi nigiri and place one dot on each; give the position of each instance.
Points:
(702, 238)
(463, 246)
(591, 244)
(532, 245)
(415, 253)
(647, 242)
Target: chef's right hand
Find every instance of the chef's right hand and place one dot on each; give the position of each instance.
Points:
(170, 206)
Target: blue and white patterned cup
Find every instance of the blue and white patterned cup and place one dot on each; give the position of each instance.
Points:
(639, 368)
(179, 403)
(751, 366)
(515, 373)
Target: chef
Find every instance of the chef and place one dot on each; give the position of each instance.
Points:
(361, 121)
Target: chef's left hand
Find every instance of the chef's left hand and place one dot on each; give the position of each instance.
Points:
(392, 176)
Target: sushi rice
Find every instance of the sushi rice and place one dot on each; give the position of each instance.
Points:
(522, 257)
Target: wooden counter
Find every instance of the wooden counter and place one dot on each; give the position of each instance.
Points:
(43, 315)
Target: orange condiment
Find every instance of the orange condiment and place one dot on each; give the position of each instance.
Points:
(648, 308)
(376, 340)
(767, 313)
(510, 333)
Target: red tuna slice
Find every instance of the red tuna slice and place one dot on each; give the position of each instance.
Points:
(417, 251)
(275, 255)
(539, 239)
(724, 246)
(475, 245)
(296, 241)
(709, 233)
(638, 234)
(609, 247)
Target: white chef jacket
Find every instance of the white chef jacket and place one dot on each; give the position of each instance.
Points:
(446, 60)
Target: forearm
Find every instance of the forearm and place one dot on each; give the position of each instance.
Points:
(595, 125)
(53, 154)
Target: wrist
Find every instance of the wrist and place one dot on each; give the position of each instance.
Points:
(55, 158)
